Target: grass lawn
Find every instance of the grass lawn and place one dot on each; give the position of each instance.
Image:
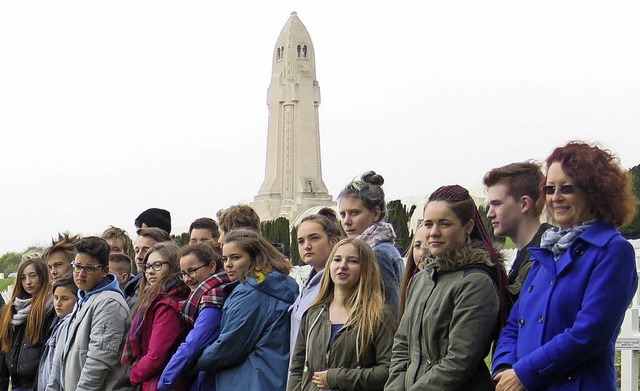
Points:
(6, 282)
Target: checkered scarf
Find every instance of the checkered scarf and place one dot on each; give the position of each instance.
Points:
(210, 293)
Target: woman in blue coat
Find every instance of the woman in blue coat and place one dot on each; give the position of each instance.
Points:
(561, 332)
(252, 350)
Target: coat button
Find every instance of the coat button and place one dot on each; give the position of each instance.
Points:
(429, 362)
(530, 288)
(521, 322)
(551, 282)
(541, 319)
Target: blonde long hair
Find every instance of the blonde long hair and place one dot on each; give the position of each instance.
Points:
(37, 314)
(366, 301)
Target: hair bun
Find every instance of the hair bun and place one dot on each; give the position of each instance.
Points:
(329, 213)
(372, 178)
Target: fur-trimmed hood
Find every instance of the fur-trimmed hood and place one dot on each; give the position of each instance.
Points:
(471, 254)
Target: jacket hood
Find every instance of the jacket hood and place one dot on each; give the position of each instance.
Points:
(277, 285)
(109, 283)
(315, 279)
(472, 254)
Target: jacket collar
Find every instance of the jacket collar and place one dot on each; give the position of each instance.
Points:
(597, 235)
(460, 257)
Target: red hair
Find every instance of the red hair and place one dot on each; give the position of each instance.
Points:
(605, 184)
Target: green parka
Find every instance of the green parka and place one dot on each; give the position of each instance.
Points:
(447, 328)
(345, 371)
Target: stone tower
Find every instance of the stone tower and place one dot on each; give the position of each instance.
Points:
(293, 174)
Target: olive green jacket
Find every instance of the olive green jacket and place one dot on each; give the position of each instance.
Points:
(447, 328)
(345, 371)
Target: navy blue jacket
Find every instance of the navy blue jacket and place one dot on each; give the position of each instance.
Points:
(561, 332)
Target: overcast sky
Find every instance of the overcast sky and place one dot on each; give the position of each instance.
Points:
(108, 108)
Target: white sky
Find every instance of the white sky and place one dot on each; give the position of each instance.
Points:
(108, 108)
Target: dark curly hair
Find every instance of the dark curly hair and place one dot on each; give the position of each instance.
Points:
(597, 171)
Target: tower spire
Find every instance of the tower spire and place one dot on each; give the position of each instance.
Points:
(293, 173)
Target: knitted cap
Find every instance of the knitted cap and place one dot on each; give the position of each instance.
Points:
(155, 218)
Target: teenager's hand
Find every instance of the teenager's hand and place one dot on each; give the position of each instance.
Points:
(320, 379)
(508, 381)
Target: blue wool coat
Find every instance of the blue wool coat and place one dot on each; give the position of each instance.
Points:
(252, 351)
(561, 332)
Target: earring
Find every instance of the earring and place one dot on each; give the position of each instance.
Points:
(468, 237)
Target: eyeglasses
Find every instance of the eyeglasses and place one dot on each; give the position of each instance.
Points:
(192, 272)
(89, 269)
(157, 265)
(564, 189)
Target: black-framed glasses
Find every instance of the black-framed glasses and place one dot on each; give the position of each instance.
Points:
(157, 265)
(192, 272)
(89, 269)
(564, 189)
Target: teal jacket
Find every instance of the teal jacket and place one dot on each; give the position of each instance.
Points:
(252, 350)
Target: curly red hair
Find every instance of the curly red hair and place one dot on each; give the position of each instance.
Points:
(597, 171)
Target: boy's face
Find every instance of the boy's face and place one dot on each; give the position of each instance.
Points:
(116, 245)
(121, 270)
(58, 264)
(200, 235)
(90, 273)
(505, 212)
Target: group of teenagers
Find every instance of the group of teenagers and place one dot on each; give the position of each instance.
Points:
(222, 313)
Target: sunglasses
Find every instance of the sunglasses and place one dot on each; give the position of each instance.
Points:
(564, 189)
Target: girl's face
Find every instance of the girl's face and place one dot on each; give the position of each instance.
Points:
(63, 301)
(345, 267)
(420, 239)
(30, 280)
(236, 260)
(355, 217)
(156, 268)
(444, 229)
(314, 246)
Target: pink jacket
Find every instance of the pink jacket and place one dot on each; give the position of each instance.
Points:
(162, 332)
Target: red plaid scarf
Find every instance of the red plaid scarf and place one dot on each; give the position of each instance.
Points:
(176, 292)
(210, 293)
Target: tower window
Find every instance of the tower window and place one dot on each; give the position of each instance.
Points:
(304, 51)
(298, 50)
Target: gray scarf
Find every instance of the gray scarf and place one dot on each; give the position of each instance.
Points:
(558, 240)
(22, 307)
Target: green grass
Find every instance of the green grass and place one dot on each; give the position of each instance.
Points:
(6, 282)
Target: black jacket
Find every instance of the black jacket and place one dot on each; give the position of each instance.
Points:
(21, 362)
